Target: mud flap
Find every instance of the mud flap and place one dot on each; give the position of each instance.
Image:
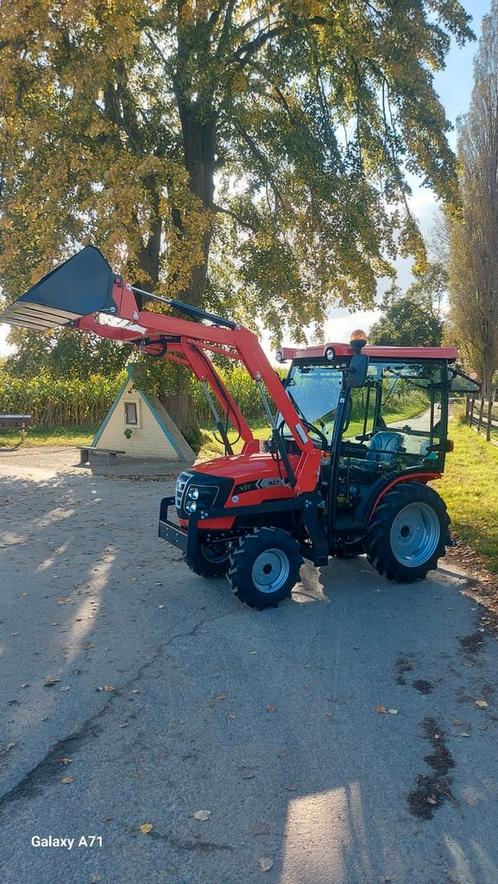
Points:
(81, 285)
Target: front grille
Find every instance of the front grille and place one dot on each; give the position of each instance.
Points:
(180, 488)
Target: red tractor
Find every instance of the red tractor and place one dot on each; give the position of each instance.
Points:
(357, 433)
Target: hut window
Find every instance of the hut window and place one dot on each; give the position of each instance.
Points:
(131, 414)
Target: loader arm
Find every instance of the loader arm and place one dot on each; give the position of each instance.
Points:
(84, 293)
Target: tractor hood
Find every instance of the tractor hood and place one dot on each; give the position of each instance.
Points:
(245, 479)
(80, 286)
(240, 467)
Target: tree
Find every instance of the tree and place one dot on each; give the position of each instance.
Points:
(68, 355)
(473, 270)
(413, 318)
(278, 131)
(270, 137)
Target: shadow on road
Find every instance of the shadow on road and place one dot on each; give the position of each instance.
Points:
(336, 737)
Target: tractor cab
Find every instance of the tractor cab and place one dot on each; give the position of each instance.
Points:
(387, 427)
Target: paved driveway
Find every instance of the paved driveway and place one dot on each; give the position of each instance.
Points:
(170, 698)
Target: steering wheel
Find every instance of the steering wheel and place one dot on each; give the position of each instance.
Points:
(321, 436)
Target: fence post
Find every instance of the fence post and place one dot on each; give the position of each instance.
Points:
(481, 411)
(471, 400)
(490, 412)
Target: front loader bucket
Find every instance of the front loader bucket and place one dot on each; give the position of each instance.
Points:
(81, 285)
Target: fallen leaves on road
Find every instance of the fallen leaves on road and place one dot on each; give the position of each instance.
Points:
(50, 681)
(265, 863)
(65, 761)
(202, 815)
(145, 828)
(65, 687)
(260, 828)
(271, 707)
(482, 704)
(383, 711)
(67, 780)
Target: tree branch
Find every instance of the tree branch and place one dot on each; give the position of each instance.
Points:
(236, 217)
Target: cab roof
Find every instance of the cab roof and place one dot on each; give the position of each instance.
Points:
(449, 354)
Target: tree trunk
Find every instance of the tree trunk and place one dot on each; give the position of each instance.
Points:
(150, 254)
(199, 146)
(199, 140)
(181, 410)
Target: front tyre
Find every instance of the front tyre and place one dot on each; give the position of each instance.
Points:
(212, 558)
(408, 532)
(264, 567)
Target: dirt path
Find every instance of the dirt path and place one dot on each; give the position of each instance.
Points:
(169, 698)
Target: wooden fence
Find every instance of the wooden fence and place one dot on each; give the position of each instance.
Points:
(483, 416)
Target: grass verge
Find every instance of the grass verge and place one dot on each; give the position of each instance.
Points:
(48, 436)
(470, 489)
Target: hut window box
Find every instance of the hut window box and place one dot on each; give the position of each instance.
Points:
(131, 414)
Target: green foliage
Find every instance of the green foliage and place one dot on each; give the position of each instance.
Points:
(59, 402)
(117, 116)
(66, 354)
(62, 402)
(473, 266)
(414, 318)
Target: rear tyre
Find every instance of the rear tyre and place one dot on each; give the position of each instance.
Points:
(264, 566)
(408, 533)
(212, 559)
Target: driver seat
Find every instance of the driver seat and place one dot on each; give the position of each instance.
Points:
(384, 446)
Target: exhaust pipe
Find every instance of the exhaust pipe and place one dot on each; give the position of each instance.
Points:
(80, 286)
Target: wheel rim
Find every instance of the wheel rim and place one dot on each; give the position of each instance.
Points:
(270, 570)
(415, 534)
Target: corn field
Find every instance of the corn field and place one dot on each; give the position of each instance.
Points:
(59, 402)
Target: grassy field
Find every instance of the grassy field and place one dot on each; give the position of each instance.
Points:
(470, 489)
(48, 436)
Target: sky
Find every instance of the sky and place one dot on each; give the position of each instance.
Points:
(454, 86)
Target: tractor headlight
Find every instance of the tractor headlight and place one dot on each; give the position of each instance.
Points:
(199, 496)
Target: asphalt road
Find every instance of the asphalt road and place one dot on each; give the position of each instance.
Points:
(173, 698)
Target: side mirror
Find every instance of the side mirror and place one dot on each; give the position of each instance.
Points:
(358, 368)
